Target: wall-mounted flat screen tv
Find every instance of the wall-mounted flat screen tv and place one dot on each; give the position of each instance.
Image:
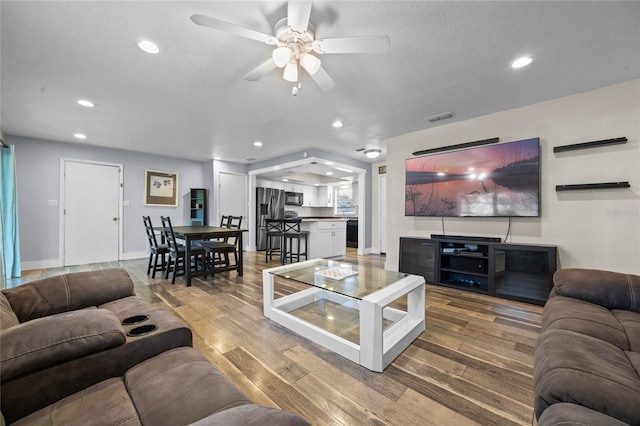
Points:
(493, 180)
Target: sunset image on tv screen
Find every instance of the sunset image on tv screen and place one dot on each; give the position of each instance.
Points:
(494, 180)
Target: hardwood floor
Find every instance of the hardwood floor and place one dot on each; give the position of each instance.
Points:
(472, 365)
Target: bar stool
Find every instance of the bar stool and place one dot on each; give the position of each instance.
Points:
(291, 232)
(274, 232)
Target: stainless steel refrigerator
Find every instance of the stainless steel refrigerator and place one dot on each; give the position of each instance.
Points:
(269, 205)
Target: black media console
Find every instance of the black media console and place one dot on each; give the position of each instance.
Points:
(484, 265)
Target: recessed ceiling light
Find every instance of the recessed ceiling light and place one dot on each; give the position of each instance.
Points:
(216, 158)
(148, 46)
(86, 103)
(521, 62)
(80, 136)
(257, 143)
(328, 173)
(285, 180)
(337, 124)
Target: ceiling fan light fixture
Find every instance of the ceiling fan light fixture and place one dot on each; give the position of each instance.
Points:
(310, 63)
(281, 56)
(372, 153)
(291, 72)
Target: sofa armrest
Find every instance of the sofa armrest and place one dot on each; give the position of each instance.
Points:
(68, 292)
(56, 339)
(613, 290)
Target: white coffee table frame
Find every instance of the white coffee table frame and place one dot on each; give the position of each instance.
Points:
(378, 347)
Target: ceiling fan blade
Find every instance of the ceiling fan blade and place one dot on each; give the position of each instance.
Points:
(298, 13)
(365, 44)
(261, 70)
(216, 24)
(323, 80)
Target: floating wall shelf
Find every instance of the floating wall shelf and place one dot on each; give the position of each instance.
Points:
(458, 146)
(593, 144)
(605, 185)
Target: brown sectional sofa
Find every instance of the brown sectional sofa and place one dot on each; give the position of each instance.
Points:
(587, 358)
(69, 356)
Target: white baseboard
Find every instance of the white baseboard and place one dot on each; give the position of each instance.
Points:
(56, 263)
(134, 255)
(40, 264)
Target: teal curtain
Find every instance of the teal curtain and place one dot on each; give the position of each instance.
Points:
(9, 214)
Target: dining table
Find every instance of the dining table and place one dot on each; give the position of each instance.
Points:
(201, 233)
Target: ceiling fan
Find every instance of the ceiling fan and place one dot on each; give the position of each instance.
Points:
(295, 42)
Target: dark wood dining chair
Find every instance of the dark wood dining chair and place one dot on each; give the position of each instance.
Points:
(218, 251)
(177, 253)
(274, 233)
(157, 252)
(291, 232)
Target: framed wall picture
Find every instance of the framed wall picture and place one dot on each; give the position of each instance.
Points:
(161, 188)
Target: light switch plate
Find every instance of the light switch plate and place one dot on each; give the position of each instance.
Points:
(125, 203)
(52, 203)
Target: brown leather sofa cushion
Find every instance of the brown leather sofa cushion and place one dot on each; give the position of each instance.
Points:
(188, 389)
(571, 367)
(567, 414)
(62, 293)
(7, 317)
(176, 388)
(565, 313)
(104, 404)
(613, 290)
(57, 338)
(252, 415)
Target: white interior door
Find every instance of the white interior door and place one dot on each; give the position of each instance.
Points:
(383, 213)
(91, 212)
(232, 199)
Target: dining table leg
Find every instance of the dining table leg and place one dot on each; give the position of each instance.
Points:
(240, 246)
(187, 260)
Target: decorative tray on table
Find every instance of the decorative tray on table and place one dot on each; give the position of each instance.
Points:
(336, 273)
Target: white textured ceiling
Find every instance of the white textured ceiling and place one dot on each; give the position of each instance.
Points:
(190, 100)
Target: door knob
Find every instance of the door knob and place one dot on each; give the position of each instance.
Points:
(115, 219)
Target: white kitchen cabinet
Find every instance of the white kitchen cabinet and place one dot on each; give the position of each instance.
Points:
(278, 185)
(310, 195)
(261, 183)
(325, 196)
(289, 187)
(327, 238)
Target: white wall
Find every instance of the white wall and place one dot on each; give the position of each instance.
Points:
(38, 176)
(592, 229)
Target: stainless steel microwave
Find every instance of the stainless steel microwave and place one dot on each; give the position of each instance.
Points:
(293, 198)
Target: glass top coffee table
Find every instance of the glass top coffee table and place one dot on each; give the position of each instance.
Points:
(345, 307)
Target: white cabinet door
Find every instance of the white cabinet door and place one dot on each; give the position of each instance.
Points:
(261, 183)
(339, 243)
(291, 187)
(278, 185)
(310, 196)
(322, 196)
(324, 244)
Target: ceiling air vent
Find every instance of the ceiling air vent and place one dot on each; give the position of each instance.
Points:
(359, 149)
(439, 117)
(250, 159)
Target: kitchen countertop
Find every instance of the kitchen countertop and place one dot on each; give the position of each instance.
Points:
(327, 218)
